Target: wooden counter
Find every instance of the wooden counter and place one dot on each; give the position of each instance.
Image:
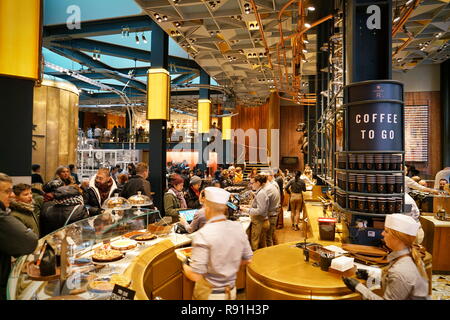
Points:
(279, 272)
(436, 240)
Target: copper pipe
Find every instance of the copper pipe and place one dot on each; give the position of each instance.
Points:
(403, 46)
(405, 17)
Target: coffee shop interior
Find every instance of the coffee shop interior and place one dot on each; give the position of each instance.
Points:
(314, 132)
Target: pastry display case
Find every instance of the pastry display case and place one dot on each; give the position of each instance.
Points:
(90, 256)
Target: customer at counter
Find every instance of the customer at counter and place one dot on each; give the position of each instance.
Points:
(258, 212)
(137, 182)
(238, 176)
(444, 174)
(67, 207)
(174, 200)
(22, 207)
(411, 184)
(199, 219)
(63, 174)
(101, 187)
(225, 179)
(215, 262)
(405, 277)
(273, 191)
(15, 238)
(36, 175)
(294, 188)
(193, 194)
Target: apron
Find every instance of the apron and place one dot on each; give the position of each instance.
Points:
(203, 289)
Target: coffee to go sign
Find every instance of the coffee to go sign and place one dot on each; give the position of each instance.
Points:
(375, 126)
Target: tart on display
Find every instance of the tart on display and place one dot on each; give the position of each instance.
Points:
(107, 255)
(123, 244)
(139, 200)
(120, 280)
(101, 285)
(145, 236)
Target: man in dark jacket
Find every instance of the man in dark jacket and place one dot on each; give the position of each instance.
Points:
(137, 182)
(101, 187)
(68, 207)
(15, 239)
(193, 194)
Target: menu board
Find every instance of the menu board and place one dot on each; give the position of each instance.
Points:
(416, 133)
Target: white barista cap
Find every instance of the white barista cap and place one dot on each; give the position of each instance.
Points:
(217, 195)
(402, 223)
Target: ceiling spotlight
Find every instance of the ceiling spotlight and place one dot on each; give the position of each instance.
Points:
(165, 18)
(307, 25)
(175, 1)
(396, 19)
(172, 33)
(260, 54)
(177, 24)
(137, 39)
(144, 39)
(247, 5)
(438, 35)
(303, 60)
(252, 25)
(305, 51)
(408, 2)
(159, 19)
(311, 8)
(305, 41)
(156, 15)
(212, 33)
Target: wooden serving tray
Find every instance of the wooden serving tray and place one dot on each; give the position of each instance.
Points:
(34, 273)
(364, 250)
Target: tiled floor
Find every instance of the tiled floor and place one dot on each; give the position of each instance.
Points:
(441, 283)
(441, 287)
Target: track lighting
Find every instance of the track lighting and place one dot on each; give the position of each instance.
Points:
(305, 51)
(408, 2)
(144, 39)
(311, 8)
(165, 18)
(137, 39)
(305, 41)
(396, 19)
(307, 25)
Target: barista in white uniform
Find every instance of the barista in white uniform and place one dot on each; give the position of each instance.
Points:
(405, 277)
(219, 249)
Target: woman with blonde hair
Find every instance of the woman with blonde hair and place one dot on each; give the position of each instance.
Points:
(405, 277)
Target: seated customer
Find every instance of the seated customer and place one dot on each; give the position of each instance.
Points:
(101, 187)
(238, 176)
(36, 174)
(22, 207)
(199, 217)
(193, 193)
(174, 199)
(442, 184)
(68, 207)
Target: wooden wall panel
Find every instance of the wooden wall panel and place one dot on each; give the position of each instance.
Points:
(432, 99)
(114, 120)
(250, 118)
(290, 117)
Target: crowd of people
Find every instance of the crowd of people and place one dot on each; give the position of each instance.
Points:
(116, 134)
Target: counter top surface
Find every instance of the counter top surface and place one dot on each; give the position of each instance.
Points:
(436, 222)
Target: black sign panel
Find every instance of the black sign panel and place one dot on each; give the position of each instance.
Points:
(122, 293)
(375, 91)
(375, 127)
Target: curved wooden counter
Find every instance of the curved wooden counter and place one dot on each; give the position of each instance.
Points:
(156, 272)
(279, 272)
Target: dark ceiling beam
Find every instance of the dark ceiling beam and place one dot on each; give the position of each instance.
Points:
(98, 28)
(87, 60)
(120, 51)
(184, 78)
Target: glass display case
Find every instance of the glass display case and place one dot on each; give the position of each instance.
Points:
(97, 251)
